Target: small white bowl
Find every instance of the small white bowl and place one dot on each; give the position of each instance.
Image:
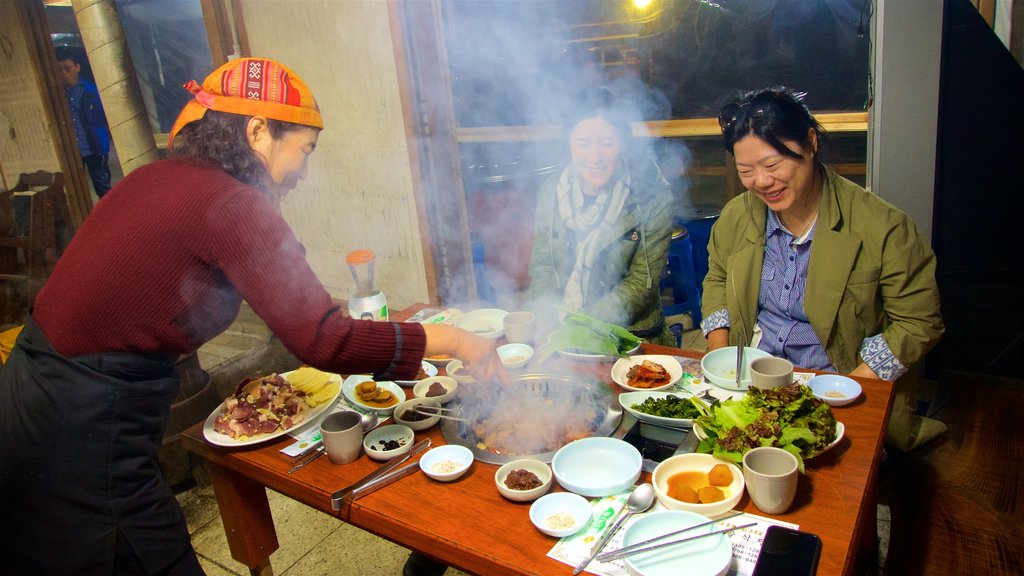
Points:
(719, 366)
(372, 442)
(487, 322)
(450, 453)
(542, 470)
(423, 386)
(416, 425)
(454, 369)
(620, 370)
(703, 463)
(551, 507)
(597, 466)
(709, 556)
(834, 389)
(515, 355)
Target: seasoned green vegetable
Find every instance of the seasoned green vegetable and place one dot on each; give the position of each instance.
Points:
(789, 417)
(586, 334)
(671, 406)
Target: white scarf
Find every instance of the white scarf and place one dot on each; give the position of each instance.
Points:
(589, 223)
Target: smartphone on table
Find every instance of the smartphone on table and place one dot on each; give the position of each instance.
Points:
(788, 552)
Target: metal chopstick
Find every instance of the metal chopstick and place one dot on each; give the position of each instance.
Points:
(739, 365)
(439, 415)
(312, 448)
(675, 533)
(630, 550)
(319, 452)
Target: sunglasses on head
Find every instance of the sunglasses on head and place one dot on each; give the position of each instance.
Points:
(760, 105)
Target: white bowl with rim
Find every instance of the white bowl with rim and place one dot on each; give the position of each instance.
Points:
(834, 389)
(418, 424)
(708, 556)
(486, 322)
(622, 366)
(446, 463)
(456, 370)
(719, 366)
(538, 468)
(699, 464)
(516, 355)
(560, 514)
(597, 466)
(374, 442)
(451, 386)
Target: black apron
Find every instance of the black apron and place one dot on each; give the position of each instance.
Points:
(81, 484)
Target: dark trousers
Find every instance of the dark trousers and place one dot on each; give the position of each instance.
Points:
(99, 172)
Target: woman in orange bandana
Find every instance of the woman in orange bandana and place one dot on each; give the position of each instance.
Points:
(156, 270)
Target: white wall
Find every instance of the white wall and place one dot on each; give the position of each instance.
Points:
(902, 122)
(359, 190)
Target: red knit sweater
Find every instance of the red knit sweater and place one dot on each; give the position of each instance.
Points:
(164, 260)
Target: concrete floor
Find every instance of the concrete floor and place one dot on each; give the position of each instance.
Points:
(311, 543)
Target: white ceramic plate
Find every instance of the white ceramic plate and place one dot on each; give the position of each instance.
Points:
(314, 417)
(840, 431)
(429, 368)
(485, 322)
(708, 556)
(622, 366)
(439, 360)
(349, 388)
(627, 399)
(585, 357)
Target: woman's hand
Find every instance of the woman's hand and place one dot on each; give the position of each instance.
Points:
(864, 371)
(718, 338)
(478, 355)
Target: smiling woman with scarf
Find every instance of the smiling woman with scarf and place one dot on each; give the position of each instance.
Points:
(603, 225)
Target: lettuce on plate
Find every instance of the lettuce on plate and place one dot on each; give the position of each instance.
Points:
(789, 417)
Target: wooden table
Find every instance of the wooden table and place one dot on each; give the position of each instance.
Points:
(469, 525)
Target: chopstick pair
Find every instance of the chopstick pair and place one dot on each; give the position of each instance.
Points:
(640, 547)
(310, 454)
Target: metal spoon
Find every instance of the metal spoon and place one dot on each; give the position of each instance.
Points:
(368, 420)
(639, 501)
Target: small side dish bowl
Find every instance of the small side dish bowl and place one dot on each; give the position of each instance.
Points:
(515, 355)
(695, 463)
(540, 469)
(486, 322)
(560, 514)
(622, 366)
(719, 366)
(834, 389)
(418, 422)
(458, 372)
(446, 463)
(422, 388)
(597, 466)
(708, 556)
(374, 444)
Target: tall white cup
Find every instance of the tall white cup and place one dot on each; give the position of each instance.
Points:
(342, 433)
(519, 327)
(771, 476)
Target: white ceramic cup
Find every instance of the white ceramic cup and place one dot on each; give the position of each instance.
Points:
(771, 372)
(519, 327)
(342, 433)
(771, 476)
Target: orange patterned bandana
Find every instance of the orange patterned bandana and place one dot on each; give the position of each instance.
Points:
(251, 87)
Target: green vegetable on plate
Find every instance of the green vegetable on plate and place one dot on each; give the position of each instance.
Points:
(588, 335)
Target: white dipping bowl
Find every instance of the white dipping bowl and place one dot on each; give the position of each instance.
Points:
(709, 556)
(372, 442)
(556, 504)
(416, 425)
(459, 456)
(458, 372)
(719, 366)
(515, 355)
(487, 322)
(542, 470)
(597, 466)
(423, 386)
(703, 463)
(834, 389)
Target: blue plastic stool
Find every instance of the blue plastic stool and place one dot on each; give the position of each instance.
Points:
(698, 221)
(681, 278)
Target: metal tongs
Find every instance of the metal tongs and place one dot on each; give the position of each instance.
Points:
(379, 478)
(448, 413)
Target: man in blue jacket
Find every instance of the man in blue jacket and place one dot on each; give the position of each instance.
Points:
(89, 121)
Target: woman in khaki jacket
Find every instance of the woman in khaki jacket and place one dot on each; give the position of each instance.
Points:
(807, 265)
